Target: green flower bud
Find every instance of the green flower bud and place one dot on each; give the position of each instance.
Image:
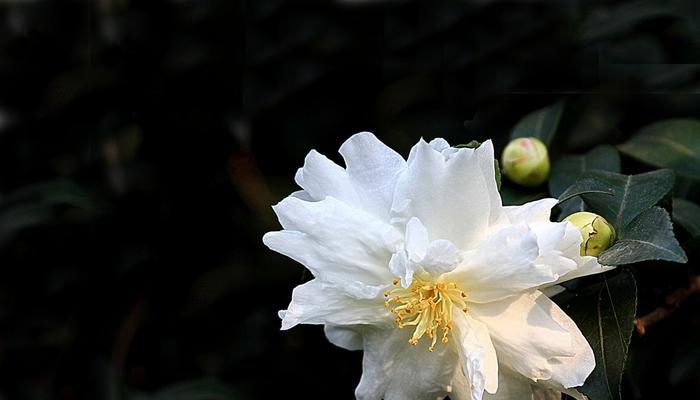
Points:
(525, 161)
(598, 234)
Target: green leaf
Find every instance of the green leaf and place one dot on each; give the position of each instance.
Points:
(541, 124)
(605, 315)
(648, 237)
(687, 214)
(584, 186)
(205, 389)
(631, 194)
(497, 168)
(569, 168)
(471, 145)
(672, 143)
(515, 197)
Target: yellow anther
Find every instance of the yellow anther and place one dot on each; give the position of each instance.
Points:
(427, 306)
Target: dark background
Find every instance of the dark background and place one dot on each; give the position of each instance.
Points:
(143, 142)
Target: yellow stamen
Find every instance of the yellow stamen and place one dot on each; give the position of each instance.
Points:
(427, 306)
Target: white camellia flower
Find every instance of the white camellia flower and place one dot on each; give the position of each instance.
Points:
(417, 263)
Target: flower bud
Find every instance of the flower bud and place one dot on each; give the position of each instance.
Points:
(598, 234)
(525, 161)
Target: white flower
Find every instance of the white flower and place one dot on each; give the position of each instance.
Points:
(418, 264)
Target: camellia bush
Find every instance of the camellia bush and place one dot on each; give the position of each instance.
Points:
(476, 272)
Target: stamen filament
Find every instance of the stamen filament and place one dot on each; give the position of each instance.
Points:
(428, 307)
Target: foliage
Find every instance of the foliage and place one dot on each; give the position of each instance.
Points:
(142, 144)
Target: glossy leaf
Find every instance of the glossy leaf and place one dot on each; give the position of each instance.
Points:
(542, 124)
(514, 197)
(673, 143)
(586, 185)
(648, 237)
(605, 314)
(569, 168)
(687, 214)
(631, 194)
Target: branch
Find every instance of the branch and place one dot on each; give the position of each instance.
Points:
(673, 303)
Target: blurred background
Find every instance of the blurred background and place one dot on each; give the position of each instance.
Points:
(143, 143)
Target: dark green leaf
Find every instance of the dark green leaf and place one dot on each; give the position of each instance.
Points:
(569, 168)
(631, 194)
(541, 124)
(605, 314)
(673, 143)
(648, 237)
(471, 145)
(497, 168)
(687, 214)
(515, 197)
(585, 186)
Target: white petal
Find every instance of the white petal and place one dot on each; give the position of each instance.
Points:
(488, 173)
(442, 257)
(526, 336)
(302, 195)
(402, 267)
(534, 211)
(346, 337)
(316, 302)
(321, 177)
(553, 243)
(417, 240)
(477, 355)
(368, 181)
(460, 388)
(392, 369)
(568, 372)
(440, 144)
(436, 257)
(453, 198)
(569, 247)
(501, 266)
(373, 169)
(511, 386)
(336, 242)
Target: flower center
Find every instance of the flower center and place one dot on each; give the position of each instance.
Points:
(427, 306)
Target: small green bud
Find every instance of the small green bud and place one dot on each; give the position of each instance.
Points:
(598, 234)
(525, 161)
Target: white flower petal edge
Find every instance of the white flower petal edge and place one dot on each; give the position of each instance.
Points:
(336, 308)
(477, 355)
(525, 334)
(426, 245)
(391, 370)
(347, 337)
(367, 182)
(453, 194)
